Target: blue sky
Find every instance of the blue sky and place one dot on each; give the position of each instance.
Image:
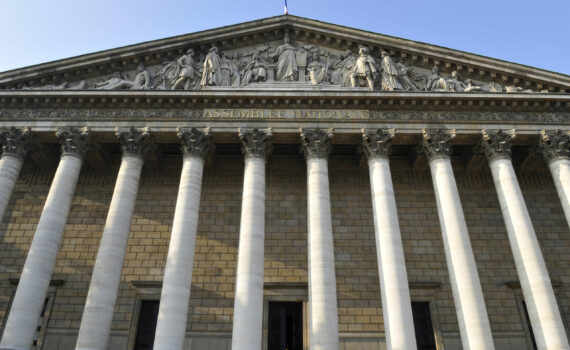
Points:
(534, 33)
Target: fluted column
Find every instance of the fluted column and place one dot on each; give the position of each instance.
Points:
(40, 262)
(467, 293)
(248, 304)
(173, 310)
(323, 322)
(537, 289)
(99, 307)
(15, 143)
(396, 303)
(555, 146)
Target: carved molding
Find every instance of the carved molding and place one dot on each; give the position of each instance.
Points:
(134, 141)
(554, 145)
(15, 141)
(74, 141)
(195, 142)
(316, 143)
(436, 143)
(377, 143)
(256, 142)
(497, 144)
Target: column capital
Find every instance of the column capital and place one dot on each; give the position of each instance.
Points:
(316, 143)
(377, 143)
(554, 144)
(15, 141)
(497, 144)
(436, 143)
(195, 142)
(74, 141)
(134, 141)
(256, 142)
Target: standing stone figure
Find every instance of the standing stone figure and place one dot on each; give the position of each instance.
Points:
(365, 67)
(285, 54)
(212, 74)
(318, 71)
(230, 70)
(436, 82)
(186, 71)
(389, 74)
(342, 69)
(255, 71)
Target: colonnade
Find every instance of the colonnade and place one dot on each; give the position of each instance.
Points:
(248, 308)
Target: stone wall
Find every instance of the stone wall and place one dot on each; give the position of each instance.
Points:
(359, 303)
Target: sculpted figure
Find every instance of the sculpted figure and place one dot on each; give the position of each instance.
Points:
(63, 86)
(318, 71)
(342, 69)
(255, 71)
(389, 74)
(186, 71)
(435, 81)
(212, 73)
(287, 69)
(470, 86)
(454, 83)
(410, 80)
(142, 81)
(364, 67)
(230, 71)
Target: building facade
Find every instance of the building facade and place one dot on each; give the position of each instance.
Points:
(284, 184)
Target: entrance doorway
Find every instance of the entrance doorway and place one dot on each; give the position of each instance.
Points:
(285, 326)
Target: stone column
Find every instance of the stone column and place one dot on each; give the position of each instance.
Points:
(555, 147)
(173, 310)
(40, 262)
(323, 322)
(15, 143)
(533, 276)
(100, 305)
(396, 303)
(467, 293)
(248, 305)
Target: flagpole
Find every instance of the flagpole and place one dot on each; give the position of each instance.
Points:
(286, 12)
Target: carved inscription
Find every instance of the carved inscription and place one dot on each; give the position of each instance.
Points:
(334, 114)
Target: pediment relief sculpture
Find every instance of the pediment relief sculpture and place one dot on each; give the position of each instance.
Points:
(295, 64)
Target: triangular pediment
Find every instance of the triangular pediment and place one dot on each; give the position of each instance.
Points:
(255, 55)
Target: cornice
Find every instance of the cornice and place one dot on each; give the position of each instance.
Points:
(234, 98)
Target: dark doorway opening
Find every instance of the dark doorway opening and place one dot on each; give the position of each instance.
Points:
(422, 324)
(148, 317)
(285, 327)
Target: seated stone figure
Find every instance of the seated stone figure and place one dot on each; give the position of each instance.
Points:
(318, 71)
(255, 71)
(436, 82)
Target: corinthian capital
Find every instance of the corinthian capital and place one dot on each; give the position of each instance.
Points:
(195, 142)
(554, 145)
(15, 141)
(134, 141)
(256, 143)
(377, 143)
(436, 143)
(497, 144)
(316, 143)
(74, 141)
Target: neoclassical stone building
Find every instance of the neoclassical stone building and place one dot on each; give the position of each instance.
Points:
(284, 184)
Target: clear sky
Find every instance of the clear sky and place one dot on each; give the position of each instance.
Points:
(534, 33)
